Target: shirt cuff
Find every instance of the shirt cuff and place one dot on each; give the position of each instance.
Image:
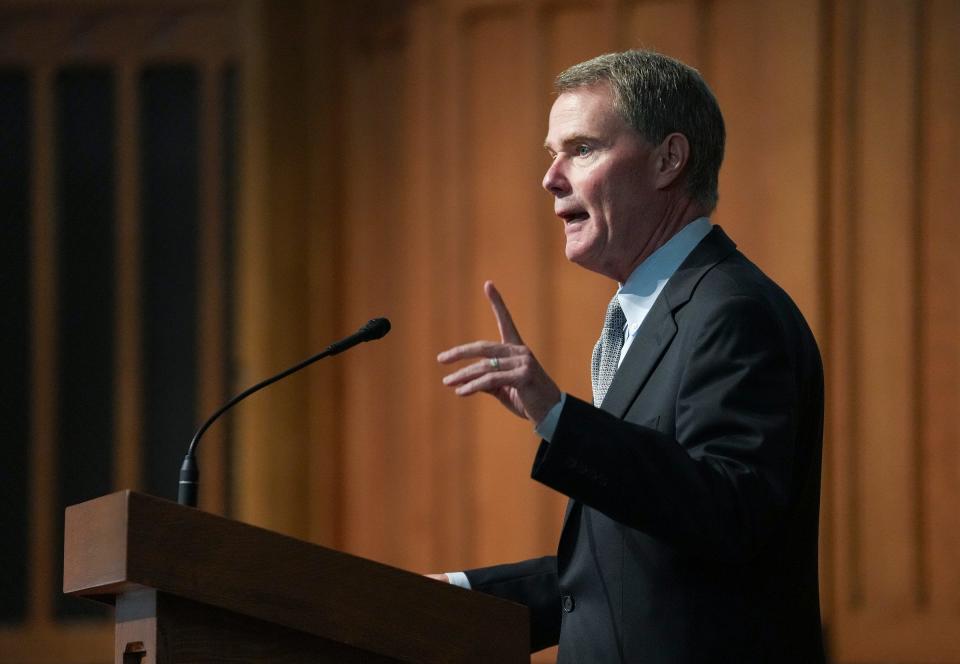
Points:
(548, 425)
(458, 579)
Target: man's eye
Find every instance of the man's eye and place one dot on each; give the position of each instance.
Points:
(583, 150)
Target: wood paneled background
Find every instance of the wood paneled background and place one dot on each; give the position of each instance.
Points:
(390, 162)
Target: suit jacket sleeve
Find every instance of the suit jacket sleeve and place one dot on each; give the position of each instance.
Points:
(532, 583)
(719, 481)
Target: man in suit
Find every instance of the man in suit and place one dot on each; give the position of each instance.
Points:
(694, 477)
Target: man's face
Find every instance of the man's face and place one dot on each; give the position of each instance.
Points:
(601, 178)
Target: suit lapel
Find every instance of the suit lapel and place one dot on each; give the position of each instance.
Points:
(653, 338)
(659, 327)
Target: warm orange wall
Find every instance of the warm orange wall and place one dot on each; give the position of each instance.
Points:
(892, 339)
(392, 163)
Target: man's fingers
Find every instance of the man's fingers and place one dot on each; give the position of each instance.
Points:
(467, 351)
(465, 374)
(508, 331)
(476, 369)
(487, 382)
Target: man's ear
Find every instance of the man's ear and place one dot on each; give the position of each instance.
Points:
(673, 154)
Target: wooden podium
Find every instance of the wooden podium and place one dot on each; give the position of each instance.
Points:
(189, 586)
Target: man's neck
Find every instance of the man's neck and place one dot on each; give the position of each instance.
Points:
(674, 220)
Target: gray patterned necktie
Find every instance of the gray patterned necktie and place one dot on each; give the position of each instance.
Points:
(606, 354)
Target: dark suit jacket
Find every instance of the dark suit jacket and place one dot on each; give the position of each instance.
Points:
(691, 533)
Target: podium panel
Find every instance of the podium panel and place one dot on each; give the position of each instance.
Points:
(157, 628)
(189, 586)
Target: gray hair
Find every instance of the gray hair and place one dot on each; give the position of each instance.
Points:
(657, 96)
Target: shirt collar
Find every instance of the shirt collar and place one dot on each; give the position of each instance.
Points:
(638, 293)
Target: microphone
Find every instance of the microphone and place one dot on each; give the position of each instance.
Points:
(374, 329)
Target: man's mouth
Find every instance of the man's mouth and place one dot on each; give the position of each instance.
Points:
(573, 216)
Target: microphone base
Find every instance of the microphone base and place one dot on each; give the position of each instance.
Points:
(189, 482)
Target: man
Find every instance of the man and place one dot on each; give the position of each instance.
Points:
(694, 478)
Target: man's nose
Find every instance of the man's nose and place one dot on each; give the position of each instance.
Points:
(554, 179)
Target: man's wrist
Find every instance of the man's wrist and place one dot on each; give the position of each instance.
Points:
(548, 425)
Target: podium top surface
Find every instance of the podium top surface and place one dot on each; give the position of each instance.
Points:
(128, 541)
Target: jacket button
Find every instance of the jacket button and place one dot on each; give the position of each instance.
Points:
(567, 602)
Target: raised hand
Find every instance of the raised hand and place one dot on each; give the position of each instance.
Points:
(508, 370)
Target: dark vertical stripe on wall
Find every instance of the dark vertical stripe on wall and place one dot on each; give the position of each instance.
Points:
(230, 125)
(86, 276)
(169, 169)
(14, 340)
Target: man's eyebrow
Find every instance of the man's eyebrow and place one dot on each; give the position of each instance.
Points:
(576, 138)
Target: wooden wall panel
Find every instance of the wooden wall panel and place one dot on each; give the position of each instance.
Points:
(762, 64)
(211, 389)
(254, 280)
(454, 534)
(505, 241)
(894, 365)
(324, 273)
(270, 479)
(885, 264)
(671, 27)
(376, 465)
(839, 363)
(44, 360)
(420, 372)
(129, 415)
(939, 292)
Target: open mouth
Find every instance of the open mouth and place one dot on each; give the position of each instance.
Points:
(574, 216)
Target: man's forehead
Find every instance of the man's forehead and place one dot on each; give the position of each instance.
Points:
(581, 112)
(598, 94)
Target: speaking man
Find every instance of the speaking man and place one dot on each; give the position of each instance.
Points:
(694, 475)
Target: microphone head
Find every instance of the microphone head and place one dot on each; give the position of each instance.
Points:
(376, 328)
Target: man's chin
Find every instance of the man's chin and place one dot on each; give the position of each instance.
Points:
(589, 262)
(576, 255)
